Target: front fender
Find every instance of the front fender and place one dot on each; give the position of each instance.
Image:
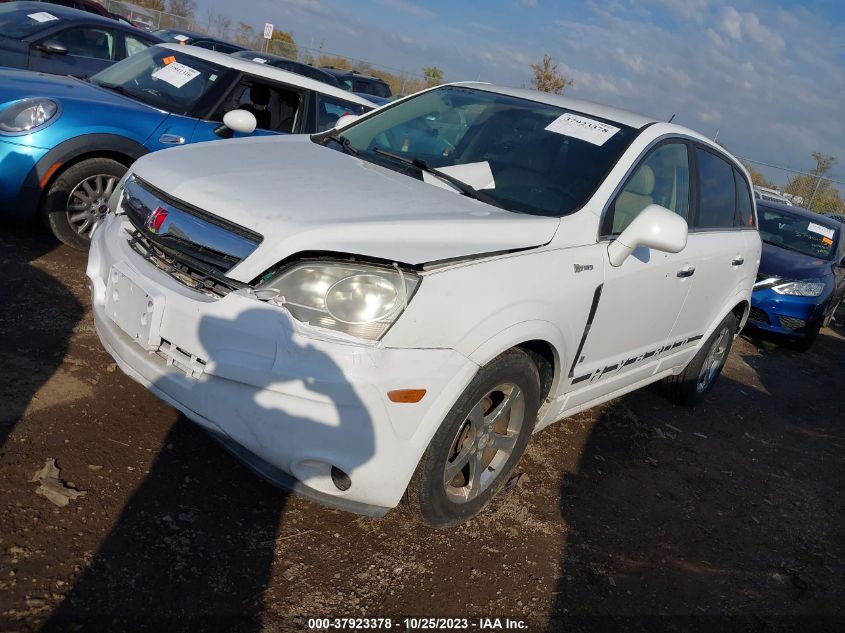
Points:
(44, 171)
(534, 330)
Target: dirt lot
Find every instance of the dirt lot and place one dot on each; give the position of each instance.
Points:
(637, 508)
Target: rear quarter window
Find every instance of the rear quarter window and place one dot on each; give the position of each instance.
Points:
(744, 206)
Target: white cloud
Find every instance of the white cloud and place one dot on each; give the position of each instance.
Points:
(694, 10)
(529, 4)
(406, 6)
(746, 26)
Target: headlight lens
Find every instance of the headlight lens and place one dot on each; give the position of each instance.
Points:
(27, 115)
(357, 299)
(802, 288)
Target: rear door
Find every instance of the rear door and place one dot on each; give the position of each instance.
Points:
(720, 243)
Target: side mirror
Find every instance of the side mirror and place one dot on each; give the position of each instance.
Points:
(52, 47)
(241, 121)
(655, 227)
(345, 120)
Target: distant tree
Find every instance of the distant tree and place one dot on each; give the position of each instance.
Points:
(282, 43)
(182, 8)
(155, 5)
(818, 193)
(245, 35)
(823, 163)
(547, 78)
(757, 178)
(433, 76)
(333, 60)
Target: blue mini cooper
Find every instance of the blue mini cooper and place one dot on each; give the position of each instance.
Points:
(65, 142)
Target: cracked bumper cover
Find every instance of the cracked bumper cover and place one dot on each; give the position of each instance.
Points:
(287, 404)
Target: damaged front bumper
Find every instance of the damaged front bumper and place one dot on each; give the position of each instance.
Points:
(296, 408)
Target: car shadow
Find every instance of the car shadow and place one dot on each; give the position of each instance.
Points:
(677, 517)
(195, 544)
(34, 335)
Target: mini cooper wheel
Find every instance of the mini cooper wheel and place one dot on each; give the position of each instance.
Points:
(79, 197)
(692, 385)
(479, 443)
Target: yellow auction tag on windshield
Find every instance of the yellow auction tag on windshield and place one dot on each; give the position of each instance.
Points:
(827, 241)
(169, 60)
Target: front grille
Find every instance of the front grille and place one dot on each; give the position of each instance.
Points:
(791, 323)
(203, 281)
(758, 315)
(194, 247)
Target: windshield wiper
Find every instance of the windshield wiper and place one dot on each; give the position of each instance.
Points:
(460, 185)
(116, 88)
(344, 143)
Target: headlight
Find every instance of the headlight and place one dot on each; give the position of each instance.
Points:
(357, 299)
(802, 288)
(27, 115)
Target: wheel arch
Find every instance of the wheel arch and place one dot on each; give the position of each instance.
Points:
(64, 155)
(542, 340)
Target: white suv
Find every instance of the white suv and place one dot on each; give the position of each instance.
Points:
(389, 310)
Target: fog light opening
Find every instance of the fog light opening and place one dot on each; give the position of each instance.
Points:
(340, 479)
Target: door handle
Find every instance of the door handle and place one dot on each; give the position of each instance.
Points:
(739, 260)
(171, 139)
(686, 271)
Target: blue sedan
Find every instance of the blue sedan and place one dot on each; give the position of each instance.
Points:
(55, 39)
(65, 143)
(801, 280)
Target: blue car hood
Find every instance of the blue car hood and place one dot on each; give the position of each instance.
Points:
(86, 108)
(786, 264)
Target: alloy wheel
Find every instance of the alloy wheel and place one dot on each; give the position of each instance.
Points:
(714, 360)
(484, 443)
(88, 202)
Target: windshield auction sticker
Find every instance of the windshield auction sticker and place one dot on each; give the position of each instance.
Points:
(581, 127)
(176, 74)
(42, 16)
(820, 230)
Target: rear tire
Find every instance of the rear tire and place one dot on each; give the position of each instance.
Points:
(476, 448)
(79, 197)
(693, 384)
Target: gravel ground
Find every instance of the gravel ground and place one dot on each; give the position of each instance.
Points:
(635, 515)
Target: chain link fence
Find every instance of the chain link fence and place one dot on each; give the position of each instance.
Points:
(807, 189)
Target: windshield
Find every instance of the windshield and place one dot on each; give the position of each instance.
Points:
(528, 156)
(165, 79)
(796, 233)
(18, 23)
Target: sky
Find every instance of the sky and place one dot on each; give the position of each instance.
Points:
(767, 75)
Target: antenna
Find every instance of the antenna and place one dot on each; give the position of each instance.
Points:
(672, 118)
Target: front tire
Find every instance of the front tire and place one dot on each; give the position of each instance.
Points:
(476, 448)
(79, 197)
(693, 384)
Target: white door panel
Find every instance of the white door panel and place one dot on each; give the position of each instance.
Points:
(715, 280)
(639, 303)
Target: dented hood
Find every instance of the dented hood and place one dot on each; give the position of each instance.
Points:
(301, 197)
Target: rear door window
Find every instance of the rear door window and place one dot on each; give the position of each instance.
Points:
(716, 192)
(135, 44)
